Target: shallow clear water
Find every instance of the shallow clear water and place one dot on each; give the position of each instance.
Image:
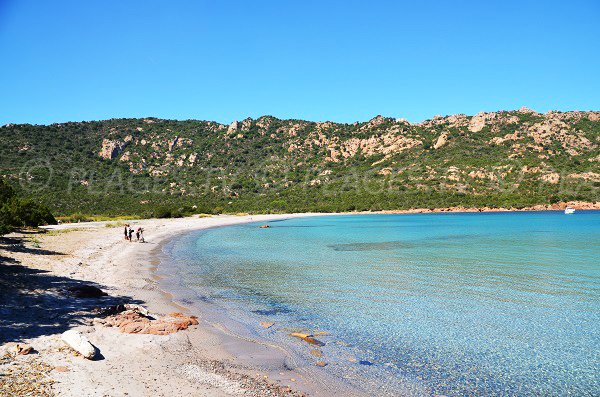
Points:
(449, 304)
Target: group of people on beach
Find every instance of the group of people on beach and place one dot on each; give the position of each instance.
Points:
(139, 234)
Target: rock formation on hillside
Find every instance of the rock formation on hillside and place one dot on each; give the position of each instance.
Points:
(489, 157)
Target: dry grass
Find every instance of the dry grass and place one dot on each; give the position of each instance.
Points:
(116, 224)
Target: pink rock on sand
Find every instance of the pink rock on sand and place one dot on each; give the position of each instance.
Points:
(132, 322)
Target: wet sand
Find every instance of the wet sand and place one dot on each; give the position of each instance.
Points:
(215, 358)
(210, 359)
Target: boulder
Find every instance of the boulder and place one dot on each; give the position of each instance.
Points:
(111, 149)
(78, 342)
(232, 128)
(441, 141)
(309, 338)
(133, 322)
(86, 291)
(180, 320)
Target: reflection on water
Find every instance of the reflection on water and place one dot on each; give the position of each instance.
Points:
(449, 304)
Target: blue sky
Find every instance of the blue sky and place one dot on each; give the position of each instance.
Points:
(317, 60)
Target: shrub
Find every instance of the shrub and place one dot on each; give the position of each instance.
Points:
(168, 212)
(16, 212)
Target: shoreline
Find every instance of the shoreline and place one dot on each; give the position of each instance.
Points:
(275, 361)
(205, 359)
(577, 205)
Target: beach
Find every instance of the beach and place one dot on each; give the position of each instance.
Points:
(412, 304)
(291, 199)
(217, 357)
(204, 360)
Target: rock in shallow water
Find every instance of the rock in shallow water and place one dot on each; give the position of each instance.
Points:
(316, 353)
(307, 338)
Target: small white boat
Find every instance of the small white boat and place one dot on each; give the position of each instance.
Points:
(569, 210)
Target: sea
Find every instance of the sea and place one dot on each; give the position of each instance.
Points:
(452, 304)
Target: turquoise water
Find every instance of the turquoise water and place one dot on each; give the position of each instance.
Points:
(442, 304)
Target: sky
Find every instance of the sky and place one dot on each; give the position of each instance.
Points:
(342, 61)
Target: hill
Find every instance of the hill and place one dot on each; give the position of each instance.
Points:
(153, 167)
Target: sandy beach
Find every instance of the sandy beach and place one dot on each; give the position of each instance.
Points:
(208, 359)
(204, 360)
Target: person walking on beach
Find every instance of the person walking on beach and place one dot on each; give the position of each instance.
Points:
(130, 233)
(137, 234)
(140, 233)
(126, 232)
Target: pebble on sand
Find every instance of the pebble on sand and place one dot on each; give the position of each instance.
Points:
(16, 349)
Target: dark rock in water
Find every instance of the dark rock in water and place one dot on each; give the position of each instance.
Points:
(87, 291)
(365, 362)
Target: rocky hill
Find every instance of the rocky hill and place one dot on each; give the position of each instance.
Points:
(136, 166)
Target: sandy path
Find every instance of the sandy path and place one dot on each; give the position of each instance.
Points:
(202, 361)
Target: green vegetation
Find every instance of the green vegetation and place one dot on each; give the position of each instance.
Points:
(166, 168)
(16, 212)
